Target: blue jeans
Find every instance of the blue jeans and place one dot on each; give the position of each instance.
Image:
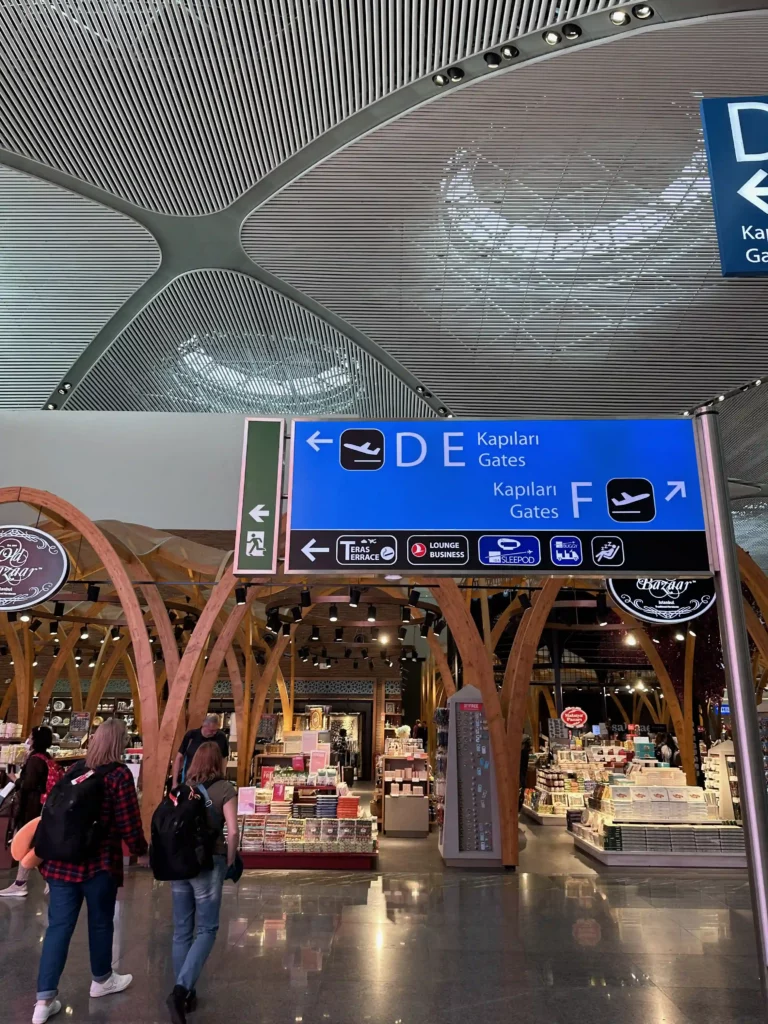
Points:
(100, 893)
(196, 902)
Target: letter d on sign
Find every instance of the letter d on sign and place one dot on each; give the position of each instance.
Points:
(734, 112)
(416, 437)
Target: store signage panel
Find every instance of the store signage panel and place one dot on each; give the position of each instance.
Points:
(550, 496)
(260, 504)
(655, 600)
(574, 718)
(33, 567)
(736, 135)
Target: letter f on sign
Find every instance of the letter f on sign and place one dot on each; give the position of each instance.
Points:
(576, 497)
(734, 112)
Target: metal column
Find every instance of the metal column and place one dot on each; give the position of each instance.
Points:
(738, 669)
(556, 662)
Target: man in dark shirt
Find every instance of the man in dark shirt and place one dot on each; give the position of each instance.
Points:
(209, 732)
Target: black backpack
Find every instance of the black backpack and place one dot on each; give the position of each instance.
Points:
(70, 827)
(182, 840)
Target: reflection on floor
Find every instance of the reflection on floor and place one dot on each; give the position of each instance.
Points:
(556, 942)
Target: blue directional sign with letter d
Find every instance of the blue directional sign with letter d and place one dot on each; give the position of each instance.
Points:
(736, 134)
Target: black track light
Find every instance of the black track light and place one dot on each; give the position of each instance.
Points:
(403, 656)
(178, 632)
(384, 655)
(315, 633)
(424, 628)
(84, 632)
(354, 597)
(296, 613)
(339, 637)
(34, 625)
(371, 613)
(92, 593)
(364, 653)
(58, 609)
(115, 632)
(92, 661)
(305, 654)
(306, 598)
(151, 638)
(11, 616)
(324, 652)
(189, 623)
(525, 601)
(370, 665)
(414, 655)
(3, 651)
(78, 655)
(260, 659)
(402, 633)
(286, 629)
(53, 627)
(430, 619)
(602, 609)
(414, 597)
(375, 633)
(355, 664)
(333, 613)
(240, 595)
(172, 616)
(273, 621)
(314, 659)
(348, 652)
(405, 613)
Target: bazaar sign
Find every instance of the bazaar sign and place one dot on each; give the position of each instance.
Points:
(663, 600)
(33, 567)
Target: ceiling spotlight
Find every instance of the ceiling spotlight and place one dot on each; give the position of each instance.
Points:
(371, 613)
(306, 598)
(493, 60)
(370, 665)
(455, 74)
(102, 640)
(25, 617)
(630, 640)
(401, 633)
(424, 629)
(286, 629)
(92, 661)
(78, 655)
(92, 593)
(758, 382)
(405, 613)
(375, 633)
(34, 663)
(691, 633)
(384, 655)
(50, 406)
(115, 632)
(619, 17)
(413, 598)
(392, 577)
(347, 652)
(315, 659)
(84, 633)
(3, 651)
(296, 613)
(34, 625)
(509, 52)
(602, 609)
(53, 627)
(679, 636)
(11, 616)
(355, 664)
(189, 623)
(315, 633)
(305, 654)
(354, 597)
(571, 31)
(414, 655)
(552, 38)
(364, 653)
(440, 79)
(58, 609)
(339, 635)
(65, 387)
(642, 11)
(403, 656)
(525, 601)
(333, 614)
(655, 640)
(178, 632)
(384, 638)
(273, 621)
(172, 616)
(324, 653)
(442, 411)
(240, 595)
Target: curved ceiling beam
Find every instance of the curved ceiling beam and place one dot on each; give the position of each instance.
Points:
(213, 241)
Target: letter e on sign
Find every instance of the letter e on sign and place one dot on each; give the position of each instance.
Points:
(574, 718)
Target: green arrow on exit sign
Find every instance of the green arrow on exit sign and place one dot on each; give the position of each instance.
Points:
(258, 512)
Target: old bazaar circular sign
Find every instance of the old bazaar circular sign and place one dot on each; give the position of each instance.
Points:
(664, 600)
(33, 567)
(574, 718)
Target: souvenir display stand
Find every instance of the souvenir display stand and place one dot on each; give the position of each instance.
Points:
(469, 833)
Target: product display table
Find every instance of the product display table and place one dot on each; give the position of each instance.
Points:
(310, 861)
(545, 819)
(647, 859)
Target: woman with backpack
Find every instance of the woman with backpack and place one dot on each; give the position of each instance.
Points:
(91, 811)
(38, 776)
(197, 901)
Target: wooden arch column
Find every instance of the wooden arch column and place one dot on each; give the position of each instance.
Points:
(133, 616)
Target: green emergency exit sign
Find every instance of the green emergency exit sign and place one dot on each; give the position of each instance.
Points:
(258, 513)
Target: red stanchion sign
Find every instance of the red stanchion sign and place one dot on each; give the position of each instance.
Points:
(574, 718)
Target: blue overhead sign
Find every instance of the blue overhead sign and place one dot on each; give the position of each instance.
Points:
(495, 496)
(736, 134)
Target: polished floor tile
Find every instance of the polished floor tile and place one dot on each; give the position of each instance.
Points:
(557, 941)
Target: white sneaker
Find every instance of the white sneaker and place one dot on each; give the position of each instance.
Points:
(114, 983)
(15, 890)
(45, 1010)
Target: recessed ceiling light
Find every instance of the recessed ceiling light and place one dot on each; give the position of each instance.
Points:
(571, 31)
(493, 60)
(440, 79)
(509, 52)
(455, 74)
(552, 38)
(51, 405)
(642, 11)
(619, 17)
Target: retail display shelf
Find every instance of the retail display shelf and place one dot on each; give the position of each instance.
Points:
(618, 858)
(310, 861)
(545, 819)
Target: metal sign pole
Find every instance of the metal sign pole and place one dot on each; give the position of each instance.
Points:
(738, 669)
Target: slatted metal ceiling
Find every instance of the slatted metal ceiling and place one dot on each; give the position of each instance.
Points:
(66, 266)
(181, 107)
(525, 246)
(218, 341)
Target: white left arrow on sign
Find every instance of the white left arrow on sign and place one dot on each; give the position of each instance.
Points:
(678, 487)
(258, 513)
(310, 551)
(753, 193)
(315, 440)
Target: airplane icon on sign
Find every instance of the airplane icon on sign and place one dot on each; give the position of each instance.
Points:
(364, 449)
(628, 499)
(631, 499)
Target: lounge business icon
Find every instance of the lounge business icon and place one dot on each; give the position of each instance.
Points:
(487, 496)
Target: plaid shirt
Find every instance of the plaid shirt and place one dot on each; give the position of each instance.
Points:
(121, 819)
